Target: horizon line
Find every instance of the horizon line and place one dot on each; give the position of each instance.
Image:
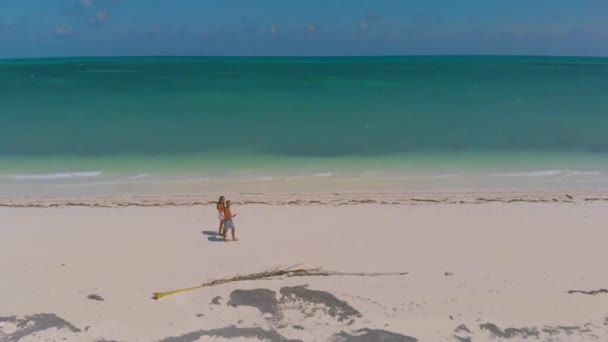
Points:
(297, 56)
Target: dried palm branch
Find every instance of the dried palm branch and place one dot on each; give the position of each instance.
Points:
(276, 273)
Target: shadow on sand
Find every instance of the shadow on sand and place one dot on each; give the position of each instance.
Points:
(213, 236)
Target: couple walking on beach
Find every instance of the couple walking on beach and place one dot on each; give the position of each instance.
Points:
(225, 216)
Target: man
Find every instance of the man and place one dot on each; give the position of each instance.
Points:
(228, 223)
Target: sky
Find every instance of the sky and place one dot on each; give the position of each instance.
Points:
(52, 28)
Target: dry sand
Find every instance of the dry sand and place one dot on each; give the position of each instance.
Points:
(479, 270)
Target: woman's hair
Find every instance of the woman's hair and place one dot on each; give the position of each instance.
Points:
(219, 202)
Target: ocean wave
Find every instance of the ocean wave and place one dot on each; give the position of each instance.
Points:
(323, 174)
(263, 179)
(131, 181)
(424, 177)
(574, 173)
(447, 176)
(60, 175)
(139, 176)
(238, 177)
(545, 173)
(144, 179)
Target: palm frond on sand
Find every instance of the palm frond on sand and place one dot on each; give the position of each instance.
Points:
(292, 271)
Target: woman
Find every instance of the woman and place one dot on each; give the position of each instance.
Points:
(220, 213)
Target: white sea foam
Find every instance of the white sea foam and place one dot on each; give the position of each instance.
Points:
(243, 180)
(424, 177)
(139, 176)
(544, 173)
(172, 181)
(323, 174)
(447, 176)
(61, 175)
(575, 173)
(263, 179)
(78, 185)
(541, 173)
(130, 180)
(307, 176)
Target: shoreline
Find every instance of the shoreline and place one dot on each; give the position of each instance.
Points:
(318, 198)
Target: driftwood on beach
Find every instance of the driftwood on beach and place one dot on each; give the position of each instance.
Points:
(276, 273)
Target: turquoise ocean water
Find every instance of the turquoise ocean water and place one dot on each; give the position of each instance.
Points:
(111, 124)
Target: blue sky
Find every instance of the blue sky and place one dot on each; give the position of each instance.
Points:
(38, 28)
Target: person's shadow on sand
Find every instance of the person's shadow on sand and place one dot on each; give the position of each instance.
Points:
(213, 236)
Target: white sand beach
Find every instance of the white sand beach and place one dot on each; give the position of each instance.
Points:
(498, 269)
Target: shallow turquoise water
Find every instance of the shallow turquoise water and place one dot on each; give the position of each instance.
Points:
(271, 117)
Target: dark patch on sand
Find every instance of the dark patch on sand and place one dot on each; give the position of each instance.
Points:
(592, 293)
(462, 328)
(373, 335)
(463, 339)
(298, 327)
(95, 297)
(565, 330)
(516, 200)
(509, 332)
(596, 199)
(231, 332)
(33, 324)
(426, 200)
(362, 201)
(461, 332)
(263, 299)
(335, 307)
(216, 300)
(254, 202)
